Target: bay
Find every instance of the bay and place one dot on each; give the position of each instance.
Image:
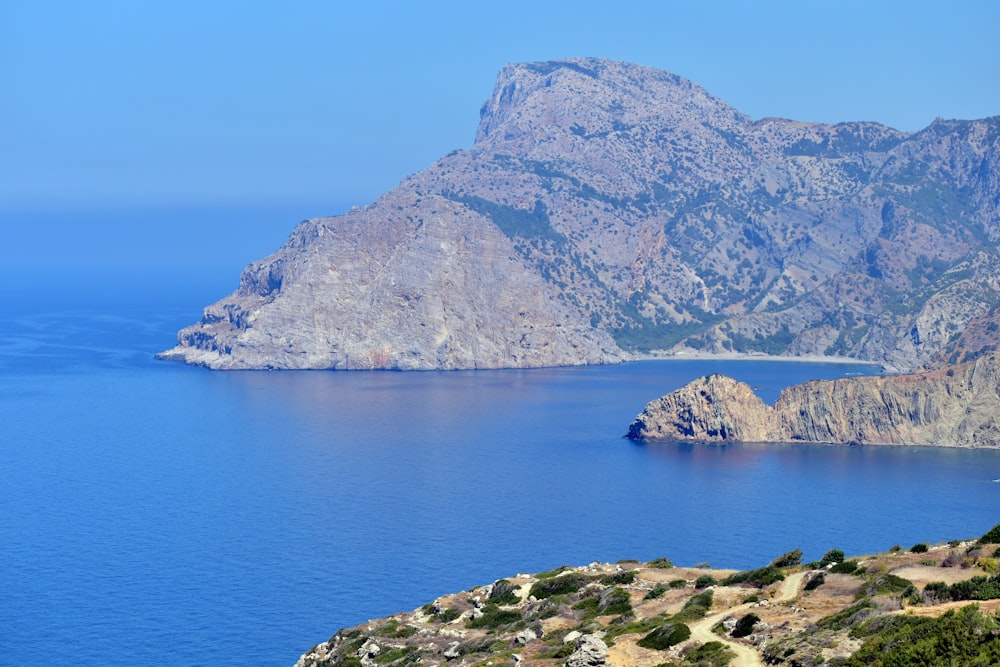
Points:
(156, 513)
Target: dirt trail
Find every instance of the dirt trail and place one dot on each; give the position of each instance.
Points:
(745, 655)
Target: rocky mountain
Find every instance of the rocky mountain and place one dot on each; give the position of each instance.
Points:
(608, 208)
(954, 407)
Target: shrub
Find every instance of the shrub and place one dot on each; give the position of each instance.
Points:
(987, 564)
(661, 563)
(504, 593)
(830, 557)
(920, 548)
(815, 582)
(760, 577)
(560, 585)
(789, 559)
(447, 615)
(744, 626)
(704, 581)
(846, 567)
(656, 592)
(493, 617)
(677, 583)
(963, 637)
(991, 537)
(696, 607)
(665, 636)
(615, 601)
(623, 577)
(709, 654)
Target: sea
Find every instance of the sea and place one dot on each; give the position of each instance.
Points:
(156, 513)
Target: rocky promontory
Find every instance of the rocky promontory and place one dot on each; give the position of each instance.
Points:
(630, 614)
(954, 407)
(606, 209)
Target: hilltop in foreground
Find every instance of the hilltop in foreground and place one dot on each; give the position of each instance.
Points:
(957, 407)
(608, 208)
(894, 607)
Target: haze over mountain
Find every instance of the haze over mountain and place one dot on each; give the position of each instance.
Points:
(608, 208)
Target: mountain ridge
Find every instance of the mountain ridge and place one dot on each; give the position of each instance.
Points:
(607, 209)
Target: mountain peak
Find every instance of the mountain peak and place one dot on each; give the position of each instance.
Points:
(591, 96)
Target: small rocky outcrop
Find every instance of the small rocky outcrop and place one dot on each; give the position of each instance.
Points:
(591, 651)
(954, 407)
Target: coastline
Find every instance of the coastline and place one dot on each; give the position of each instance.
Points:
(752, 356)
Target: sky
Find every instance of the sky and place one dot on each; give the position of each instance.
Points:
(136, 133)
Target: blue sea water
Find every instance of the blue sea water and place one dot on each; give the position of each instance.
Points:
(152, 513)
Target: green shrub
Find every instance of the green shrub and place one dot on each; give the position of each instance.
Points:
(744, 626)
(789, 559)
(551, 574)
(709, 654)
(561, 585)
(394, 654)
(588, 606)
(815, 582)
(615, 601)
(847, 567)
(704, 581)
(661, 563)
(830, 557)
(963, 637)
(760, 577)
(677, 583)
(665, 636)
(696, 607)
(504, 592)
(656, 592)
(618, 578)
(992, 537)
(920, 548)
(493, 617)
(447, 615)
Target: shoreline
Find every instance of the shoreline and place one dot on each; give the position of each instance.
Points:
(749, 356)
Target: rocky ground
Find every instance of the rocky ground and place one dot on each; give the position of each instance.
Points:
(632, 614)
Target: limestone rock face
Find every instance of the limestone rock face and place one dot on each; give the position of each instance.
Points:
(714, 408)
(591, 651)
(954, 407)
(608, 208)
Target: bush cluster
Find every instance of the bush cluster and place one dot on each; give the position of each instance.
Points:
(760, 577)
(976, 588)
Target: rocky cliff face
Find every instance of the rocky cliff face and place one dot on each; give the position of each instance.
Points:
(957, 407)
(608, 207)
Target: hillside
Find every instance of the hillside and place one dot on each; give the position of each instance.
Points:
(607, 209)
(630, 614)
(957, 407)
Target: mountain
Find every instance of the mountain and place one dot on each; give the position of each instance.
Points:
(954, 407)
(607, 209)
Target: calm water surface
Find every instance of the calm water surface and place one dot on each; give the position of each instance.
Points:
(152, 513)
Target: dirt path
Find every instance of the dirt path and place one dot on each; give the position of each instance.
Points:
(745, 655)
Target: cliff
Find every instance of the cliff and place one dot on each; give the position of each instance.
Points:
(608, 208)
(954, 407)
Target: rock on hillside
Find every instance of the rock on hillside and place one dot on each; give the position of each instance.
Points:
(957, 407)
(607, 208)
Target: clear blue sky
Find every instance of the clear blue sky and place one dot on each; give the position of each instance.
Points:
(307, 107)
